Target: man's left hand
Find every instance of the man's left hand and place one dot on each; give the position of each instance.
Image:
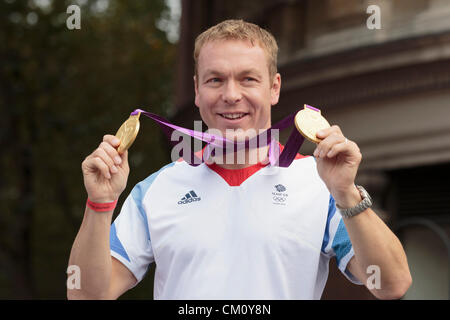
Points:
(338, 160)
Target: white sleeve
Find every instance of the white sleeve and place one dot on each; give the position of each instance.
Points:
(130, 237)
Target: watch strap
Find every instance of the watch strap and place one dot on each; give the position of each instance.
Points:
(365, 203)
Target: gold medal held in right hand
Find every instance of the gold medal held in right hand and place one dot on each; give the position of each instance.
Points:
(308, 121)
(128, 132)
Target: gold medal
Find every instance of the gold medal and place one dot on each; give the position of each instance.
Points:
(127, 133)
(308, 121)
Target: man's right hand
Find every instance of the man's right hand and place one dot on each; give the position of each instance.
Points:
(105, 171)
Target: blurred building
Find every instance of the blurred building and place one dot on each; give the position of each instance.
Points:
(388, 89)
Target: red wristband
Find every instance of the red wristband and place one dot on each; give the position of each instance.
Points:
(101, 207)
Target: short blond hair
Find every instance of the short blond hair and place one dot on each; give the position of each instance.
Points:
(240, 30)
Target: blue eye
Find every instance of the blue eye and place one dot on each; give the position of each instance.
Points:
(214, 80)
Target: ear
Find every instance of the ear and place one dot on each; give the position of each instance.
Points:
(275, 89)
(196, 90)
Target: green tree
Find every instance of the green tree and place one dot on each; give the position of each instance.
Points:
(60, 91)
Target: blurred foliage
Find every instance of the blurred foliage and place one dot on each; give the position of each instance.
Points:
(60, 91)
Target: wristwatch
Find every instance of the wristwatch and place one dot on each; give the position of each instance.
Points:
(365, 203)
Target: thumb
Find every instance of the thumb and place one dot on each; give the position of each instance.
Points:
(322, 134)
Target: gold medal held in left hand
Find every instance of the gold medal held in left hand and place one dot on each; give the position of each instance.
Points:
(128, 132)
(308, 121)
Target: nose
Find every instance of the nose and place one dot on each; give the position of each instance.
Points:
(232, 93)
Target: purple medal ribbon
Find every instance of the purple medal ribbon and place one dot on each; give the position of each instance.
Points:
(284, 159)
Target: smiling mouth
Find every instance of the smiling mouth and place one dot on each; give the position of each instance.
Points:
(233, 116)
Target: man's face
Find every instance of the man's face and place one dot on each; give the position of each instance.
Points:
(233, 89)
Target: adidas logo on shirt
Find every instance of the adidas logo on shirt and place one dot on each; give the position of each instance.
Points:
(189, 197)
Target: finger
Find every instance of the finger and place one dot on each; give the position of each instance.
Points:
(102, 167)
(322, 134)
(111, 151)
(124, 157)
(336, 149)
(101, 153)
(112, 140)
(325, 145)
(346, 147)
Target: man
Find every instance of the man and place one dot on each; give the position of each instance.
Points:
(248, 231)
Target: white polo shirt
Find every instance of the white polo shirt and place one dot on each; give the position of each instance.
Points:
(262, 232)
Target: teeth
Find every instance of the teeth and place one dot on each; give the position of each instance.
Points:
(233, 115)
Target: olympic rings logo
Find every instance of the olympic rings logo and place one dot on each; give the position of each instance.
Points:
(279, 199)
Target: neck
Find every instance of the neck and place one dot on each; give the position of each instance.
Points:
(243, 158)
